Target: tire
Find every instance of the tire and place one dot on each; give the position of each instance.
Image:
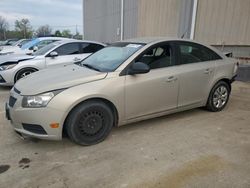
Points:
(89, 123)
(218, 97)
(23, 72)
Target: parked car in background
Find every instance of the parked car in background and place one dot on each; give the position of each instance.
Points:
(21, 42)
(18, 43)
(128, 81)
(8, 42)
(31, 46)
(14, 67)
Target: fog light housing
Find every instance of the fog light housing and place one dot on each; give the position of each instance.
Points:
(2, 80)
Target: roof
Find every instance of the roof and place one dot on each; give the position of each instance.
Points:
(148, 40)
(75, 40)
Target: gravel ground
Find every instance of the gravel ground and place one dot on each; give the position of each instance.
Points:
(194, 148)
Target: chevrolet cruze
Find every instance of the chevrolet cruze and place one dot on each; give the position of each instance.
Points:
(128, 81)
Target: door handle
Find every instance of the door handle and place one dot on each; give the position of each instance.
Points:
(77, 59)
(171, 79)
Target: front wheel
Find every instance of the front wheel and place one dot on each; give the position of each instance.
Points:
(218, 97)
(24, 72)
(89, 123)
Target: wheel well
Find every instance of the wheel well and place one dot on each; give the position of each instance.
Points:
(224, 80)
(24, 69)
(107, 102)
(227, 81)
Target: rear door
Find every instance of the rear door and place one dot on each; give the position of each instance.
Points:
(67, 54)
(196, 68)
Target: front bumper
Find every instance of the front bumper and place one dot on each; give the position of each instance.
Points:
(7, 77)
(34, 122)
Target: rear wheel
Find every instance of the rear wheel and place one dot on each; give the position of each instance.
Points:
(89, 123)
(218, 97)
(24, 72)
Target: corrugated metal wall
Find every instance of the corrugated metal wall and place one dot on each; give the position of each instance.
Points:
(102, 20)
(130, 18)
(223, 22)
(158, 18)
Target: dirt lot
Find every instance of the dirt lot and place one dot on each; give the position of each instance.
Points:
(195, 148)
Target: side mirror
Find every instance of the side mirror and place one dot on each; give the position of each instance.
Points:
(139, 68)
(35, 48)
(53, 54)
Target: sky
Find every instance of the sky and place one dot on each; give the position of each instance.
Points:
(59, 14)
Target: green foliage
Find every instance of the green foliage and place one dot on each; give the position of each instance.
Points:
(58, 33)
(23, 26)
(66, 33)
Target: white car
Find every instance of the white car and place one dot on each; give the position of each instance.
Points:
(60, 53)
(18, 43)
(31, 46)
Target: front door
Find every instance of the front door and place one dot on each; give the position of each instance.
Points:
(67, 54)
(155, 91)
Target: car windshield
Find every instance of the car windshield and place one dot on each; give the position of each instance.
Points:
(44, 49)
(110, 58)
(30, 44)
(16, 43)
(21, 42)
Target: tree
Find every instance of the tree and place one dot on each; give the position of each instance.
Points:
(44, 30)
(58, 33)
(3, 27)
(66, 33)
(24, 27)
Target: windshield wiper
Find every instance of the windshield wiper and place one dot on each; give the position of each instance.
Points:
(91, 67)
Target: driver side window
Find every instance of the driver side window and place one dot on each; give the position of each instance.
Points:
(68, 49)
(43, 43)
(157, 57)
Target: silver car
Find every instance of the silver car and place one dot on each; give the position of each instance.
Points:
(60, 53)
(128, 81)
(31, 46)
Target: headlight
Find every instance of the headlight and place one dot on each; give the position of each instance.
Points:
(7, 66)
(38, 101)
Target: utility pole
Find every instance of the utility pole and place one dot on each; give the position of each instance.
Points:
(122, 20)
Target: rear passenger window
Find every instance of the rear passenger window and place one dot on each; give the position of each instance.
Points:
(43, 43)
(68, 49)
(192, 53)
(90, 48)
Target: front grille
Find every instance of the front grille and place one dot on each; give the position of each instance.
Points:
(38, 129)
(12, 101)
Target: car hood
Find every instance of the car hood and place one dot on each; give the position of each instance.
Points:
(11, 49)
(57, 78)
(6, 47)
(14, 58)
